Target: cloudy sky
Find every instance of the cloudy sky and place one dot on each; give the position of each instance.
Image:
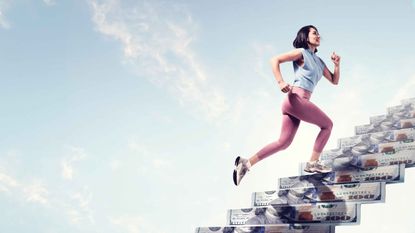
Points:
(126, 116)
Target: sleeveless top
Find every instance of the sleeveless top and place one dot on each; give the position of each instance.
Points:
(308, 76)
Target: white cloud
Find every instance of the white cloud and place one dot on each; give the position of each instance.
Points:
(7, 183)
(77, 154)
(7, 180)
(37, 193)
(156, 40)
(4, 5)
(80, 211)
(49, 2)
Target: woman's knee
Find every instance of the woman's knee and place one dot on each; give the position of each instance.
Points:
(285, 143)
(328, 124)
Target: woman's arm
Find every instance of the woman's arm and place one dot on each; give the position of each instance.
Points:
(335, 76)
(293, 55)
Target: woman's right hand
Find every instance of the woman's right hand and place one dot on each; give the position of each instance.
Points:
(284, 87)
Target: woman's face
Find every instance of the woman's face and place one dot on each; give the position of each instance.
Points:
(313, 37)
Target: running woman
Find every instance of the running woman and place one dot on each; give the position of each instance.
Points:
(297, 107)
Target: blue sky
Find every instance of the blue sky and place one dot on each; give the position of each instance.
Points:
(126, 116)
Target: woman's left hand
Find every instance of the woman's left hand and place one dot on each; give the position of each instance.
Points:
(335, 59)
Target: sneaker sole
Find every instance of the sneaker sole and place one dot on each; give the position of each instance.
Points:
(234, 177)
(237, 160)
(309, 171)
(234, 171)
(316, 171)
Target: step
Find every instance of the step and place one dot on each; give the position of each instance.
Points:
(397, 117)
(372, 143)
(361, 193)
(406, 105)
(388, 174)
(408, 101)
(406, 157)
(280, 228)
(384, 126)
(339, 213)
(394, 114)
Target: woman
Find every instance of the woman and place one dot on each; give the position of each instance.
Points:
(296, 107)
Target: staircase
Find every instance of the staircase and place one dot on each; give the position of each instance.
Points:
(316, 203)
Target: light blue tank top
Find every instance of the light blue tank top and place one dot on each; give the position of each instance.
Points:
(308, 76)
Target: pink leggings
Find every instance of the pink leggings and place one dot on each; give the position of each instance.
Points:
(295, 108)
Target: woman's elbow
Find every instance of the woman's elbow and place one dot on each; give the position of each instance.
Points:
(274, 60)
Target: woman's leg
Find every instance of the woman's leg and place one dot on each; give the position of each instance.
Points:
(305, 110)
(288, 130)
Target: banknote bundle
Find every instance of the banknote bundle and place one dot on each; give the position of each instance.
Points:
(388, 174)
(408, 101)
(371, 150)
(379, 142)
(406, 157)
(317, 213)
(398, 117)
(280, 228)
(355, 192)
(395, 114)
(385, 125)
(315, 203)
(407, 105)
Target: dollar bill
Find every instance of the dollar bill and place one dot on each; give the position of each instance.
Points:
(328, 213)
(406, 106)
(408, 101)
(366, 155)
(369, 141)
(381, 142)
(264, 198)
(393, 116)
(357, 193)
(406, 157)
(388, 174)
(384, 126)
(281, 228)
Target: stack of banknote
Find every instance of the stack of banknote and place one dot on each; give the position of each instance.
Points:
(281, 228)
(361, 165)
(302, 193)
(334, 213)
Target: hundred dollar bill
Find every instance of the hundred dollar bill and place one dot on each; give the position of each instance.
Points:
(370, 143)
(365, 155)
(328, 213)
(357, 193)
(393, 116)
(406, 157)
(388, 174)
(280, 228)
(384, 126)
(408, 101)
(407, 105)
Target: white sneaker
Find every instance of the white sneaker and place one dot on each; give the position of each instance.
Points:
(240, 170)
(317, 166)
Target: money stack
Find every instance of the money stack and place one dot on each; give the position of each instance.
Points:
(361, 165)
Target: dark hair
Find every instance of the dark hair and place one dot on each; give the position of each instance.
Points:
(301, 41)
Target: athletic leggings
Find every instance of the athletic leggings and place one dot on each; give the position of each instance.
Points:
(297, 107)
